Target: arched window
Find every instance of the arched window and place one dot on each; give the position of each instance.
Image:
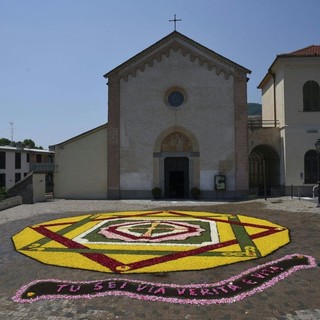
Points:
(311, 96)
(310, 167)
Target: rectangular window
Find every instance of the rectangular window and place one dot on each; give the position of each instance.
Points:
(39, 158)
(2, 180)
(17, 177)
(18, 160)
(28, 157)
(2, 160)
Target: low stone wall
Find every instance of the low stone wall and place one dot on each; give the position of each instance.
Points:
(10, 202)
(31, 188)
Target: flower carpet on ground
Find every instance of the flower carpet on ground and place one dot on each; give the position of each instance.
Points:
(156, 241)
(150, 241)
(228, 291)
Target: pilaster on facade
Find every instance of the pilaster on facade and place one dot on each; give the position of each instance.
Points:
(113, 169)
(241, 134)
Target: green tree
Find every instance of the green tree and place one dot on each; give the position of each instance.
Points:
(4, 142)
(30, 143)
(25, 143)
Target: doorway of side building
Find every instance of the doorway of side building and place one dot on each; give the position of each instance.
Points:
(264, 170)
(176, 177)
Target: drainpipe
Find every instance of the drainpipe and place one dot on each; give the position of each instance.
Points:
(274, 99)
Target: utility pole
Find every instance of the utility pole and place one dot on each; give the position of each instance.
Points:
(12, 130)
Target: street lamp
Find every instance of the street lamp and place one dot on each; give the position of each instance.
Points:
(317, 145)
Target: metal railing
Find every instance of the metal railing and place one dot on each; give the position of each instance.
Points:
(258, 123)
(269, 191)
(42, 166)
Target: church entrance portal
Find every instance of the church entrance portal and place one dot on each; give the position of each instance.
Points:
(176, 177)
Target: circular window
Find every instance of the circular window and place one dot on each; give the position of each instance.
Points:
(175, 98)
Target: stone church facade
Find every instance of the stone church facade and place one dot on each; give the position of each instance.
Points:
(177, 119)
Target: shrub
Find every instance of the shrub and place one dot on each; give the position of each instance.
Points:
(195, 193)
(3, 193)
(156, 192)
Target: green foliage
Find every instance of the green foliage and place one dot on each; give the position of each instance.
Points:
(4, 142)
(156, 192)
(3, 193)
(195, 193)
(195, 190)
(30, 143)
(25, 143)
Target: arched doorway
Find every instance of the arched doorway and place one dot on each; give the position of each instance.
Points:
(176, 162)
(264, 170)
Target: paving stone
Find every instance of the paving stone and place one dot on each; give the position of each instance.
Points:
(296, 298)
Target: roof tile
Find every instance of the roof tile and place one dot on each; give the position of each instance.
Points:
(308, 51)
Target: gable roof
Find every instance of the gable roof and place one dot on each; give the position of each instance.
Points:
(304, 52)
(175, 41)
(80, 136)
(307, 52)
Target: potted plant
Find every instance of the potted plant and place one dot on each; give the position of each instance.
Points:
(156, 193)
(195, 193)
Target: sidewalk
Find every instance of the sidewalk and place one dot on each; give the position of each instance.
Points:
(296, 297)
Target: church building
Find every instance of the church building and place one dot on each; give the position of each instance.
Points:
(177, 120)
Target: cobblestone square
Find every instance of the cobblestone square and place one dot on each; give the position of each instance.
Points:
(296, 297)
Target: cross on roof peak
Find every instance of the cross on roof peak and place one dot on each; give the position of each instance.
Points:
(175, 20)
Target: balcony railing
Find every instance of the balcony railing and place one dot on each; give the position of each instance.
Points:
(258, 123)
(42, 166)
